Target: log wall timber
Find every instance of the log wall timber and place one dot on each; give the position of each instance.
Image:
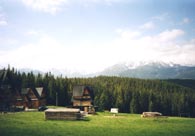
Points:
(151, 114)
(63, 114)
(82, 103)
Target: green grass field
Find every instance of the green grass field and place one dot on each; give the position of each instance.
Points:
(102, 124)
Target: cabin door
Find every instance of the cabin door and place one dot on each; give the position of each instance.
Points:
(86, 109)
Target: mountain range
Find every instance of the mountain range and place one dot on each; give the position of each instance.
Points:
(143, 70)
(152, 70)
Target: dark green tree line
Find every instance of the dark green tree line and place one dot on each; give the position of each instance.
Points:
(128, 94)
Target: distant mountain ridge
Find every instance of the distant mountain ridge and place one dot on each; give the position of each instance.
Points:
(153, 70)
(143, 70)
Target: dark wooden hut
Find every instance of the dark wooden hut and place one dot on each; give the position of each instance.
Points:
(33, 97)
(11, 97)
(83, 98)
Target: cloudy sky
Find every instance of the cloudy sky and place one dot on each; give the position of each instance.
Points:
(90, 35)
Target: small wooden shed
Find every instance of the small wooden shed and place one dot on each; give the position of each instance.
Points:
(151, 114)
(63, 114)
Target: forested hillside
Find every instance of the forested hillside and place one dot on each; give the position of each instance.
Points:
(183, 82)
(128, 94)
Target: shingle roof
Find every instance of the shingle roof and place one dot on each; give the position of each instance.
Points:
(78, 90)
(39, 91)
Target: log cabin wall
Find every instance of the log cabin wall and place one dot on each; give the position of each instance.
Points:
(82, 98)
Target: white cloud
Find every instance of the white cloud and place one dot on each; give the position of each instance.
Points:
(3, 21)
(186, 21)
(32, 32)
(169, 35)
(128, 33)
(48, 53)
(88, 3)
(161, 17)
(161, 47)
(54, 6)
(48, 6)
(148, 25)
(129, 46)
(98, 1)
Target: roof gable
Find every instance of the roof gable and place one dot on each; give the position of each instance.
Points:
(39, 91)
(78, 90)
(33, 92)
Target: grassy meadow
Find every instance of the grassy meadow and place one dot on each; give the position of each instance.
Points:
(102, 124)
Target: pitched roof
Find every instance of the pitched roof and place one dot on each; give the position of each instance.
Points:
(39, 91)
(78, 90)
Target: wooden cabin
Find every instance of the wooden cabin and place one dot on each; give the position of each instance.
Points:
(17, 99)
(11, 97)
(33, 97)
(41, 95)
(83, 98)
(26, 99)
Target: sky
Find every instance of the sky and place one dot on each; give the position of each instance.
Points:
(90, 35)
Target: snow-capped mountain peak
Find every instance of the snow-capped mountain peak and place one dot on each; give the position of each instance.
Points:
(134, 65)
(159, 70)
